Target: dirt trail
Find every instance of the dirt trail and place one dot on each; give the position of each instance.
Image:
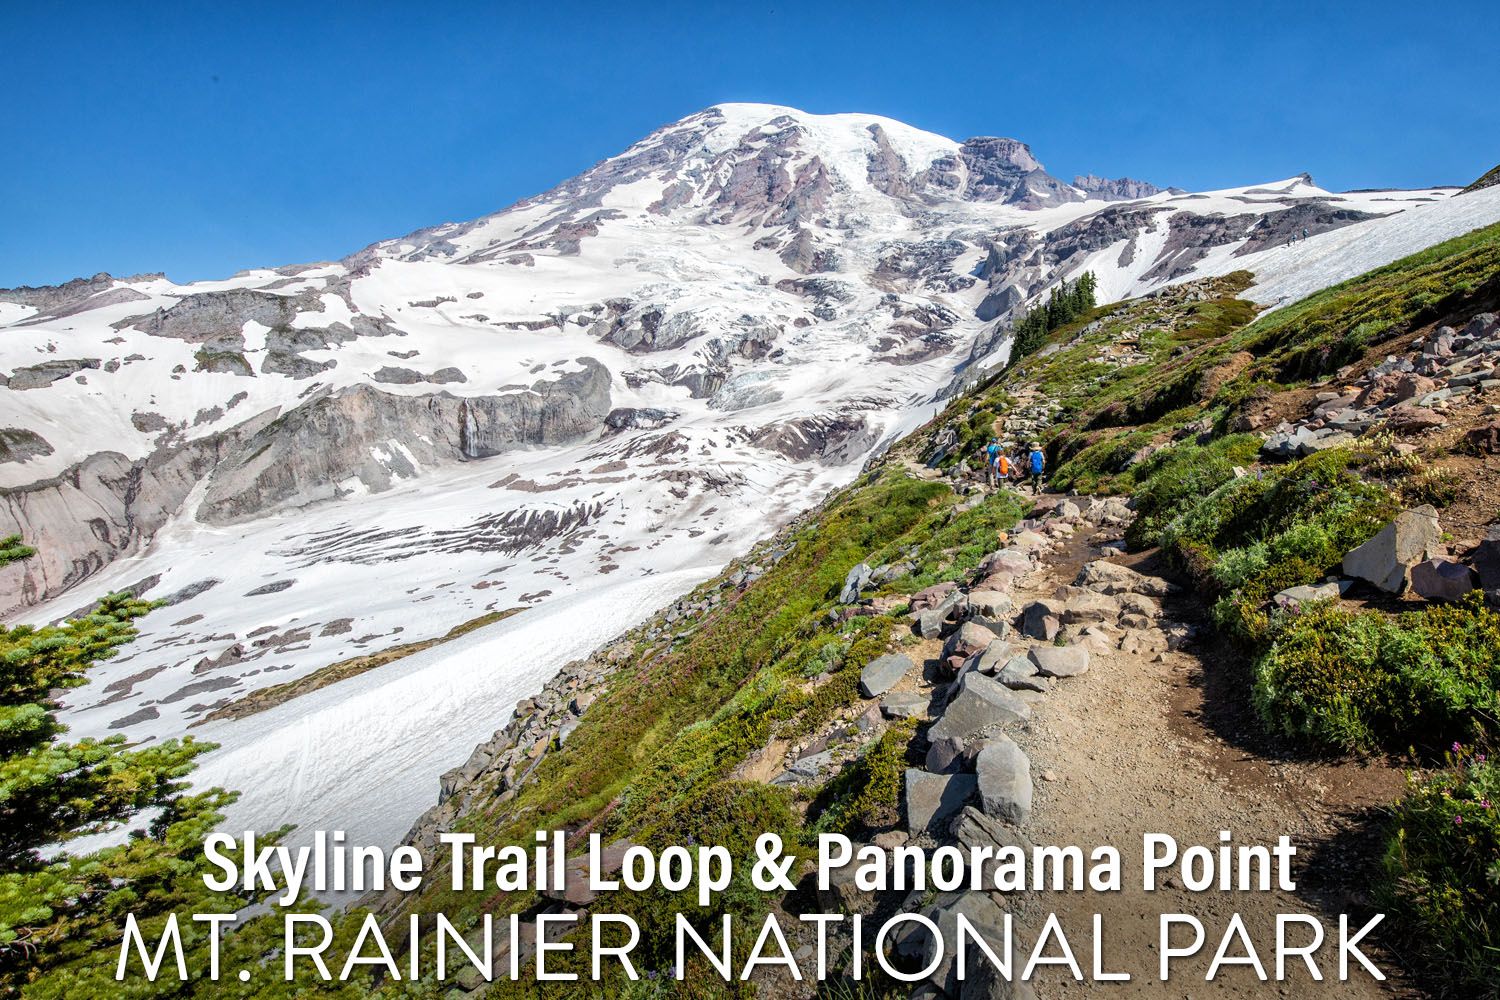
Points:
(1141, 744)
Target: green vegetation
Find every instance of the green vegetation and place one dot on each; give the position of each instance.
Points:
(12, 550)
(1065, 303)
(1367, 681)
(1442, 863)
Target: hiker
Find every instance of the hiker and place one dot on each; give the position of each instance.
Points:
(1304, 234)
(991, 460)
(1002, 468)
(1036, 463)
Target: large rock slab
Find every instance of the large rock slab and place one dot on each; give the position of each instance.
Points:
(933, 799)
(1088, 607)
(1060, 661)
(981, 704)
(1441, 579)
(1004, 777)
(1111, 578)
(882, 673)
(1387, 559)
(990, 603)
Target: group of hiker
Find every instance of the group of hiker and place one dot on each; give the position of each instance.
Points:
(1025, 466)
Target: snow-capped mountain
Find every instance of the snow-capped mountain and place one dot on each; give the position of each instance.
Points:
(580, 405)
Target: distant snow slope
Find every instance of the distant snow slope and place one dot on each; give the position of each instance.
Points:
(578, 406)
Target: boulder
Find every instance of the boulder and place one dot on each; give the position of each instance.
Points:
(854, 582)
(1408, 419)
(994, 655)
(945, 756)
(904, 705)
(990, 603)
(1004, 779)
(1060, 661)
(1112, 578)
(1486, 559)
(1039, 620)
(1088, 607)
(1067, 511)
(1019, 674)
(932, 799)
(981, 704)
(1009, 560)
(932, 596)
(1386, 560)
(929, 624)
(882, 673)
(968, 639)
(1441, 579)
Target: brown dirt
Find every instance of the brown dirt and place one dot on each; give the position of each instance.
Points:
(1139, 745)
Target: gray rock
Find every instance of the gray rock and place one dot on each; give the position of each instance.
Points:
(882, 673)
(1004, 779)
(1297, 597)
(1088, 608)
(945, 756)
(1111, 578)
(1441, 579)
(981, 704)
(931, 799)
(1060, 661)
(1386, 560)
(1020, 674)
(904, 705)
(39, 376)
(929, 623)
(854, 582)
(990, 603)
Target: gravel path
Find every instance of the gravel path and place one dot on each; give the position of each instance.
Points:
(1136, 746)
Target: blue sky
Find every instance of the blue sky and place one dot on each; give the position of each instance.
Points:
(203, 139)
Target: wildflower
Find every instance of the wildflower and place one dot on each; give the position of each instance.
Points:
(1458, 821)
(1457, 747)
(1484, 803)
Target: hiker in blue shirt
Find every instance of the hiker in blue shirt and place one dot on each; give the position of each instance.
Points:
(991, 461)
(1036, 464)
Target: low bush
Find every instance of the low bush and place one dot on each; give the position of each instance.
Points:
(1442, 868)
(1365, 681)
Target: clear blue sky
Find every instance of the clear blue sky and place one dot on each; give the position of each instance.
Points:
(203, 139)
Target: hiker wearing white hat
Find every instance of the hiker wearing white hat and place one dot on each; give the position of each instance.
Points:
(1036, 464)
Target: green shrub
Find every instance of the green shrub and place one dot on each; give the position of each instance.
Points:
(1442, 870)
(867, 796)
(1365, 681)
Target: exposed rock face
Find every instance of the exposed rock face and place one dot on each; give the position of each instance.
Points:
(18, 444)
(1123, 189)
(97, 510)
(40, 376)
(307, 454)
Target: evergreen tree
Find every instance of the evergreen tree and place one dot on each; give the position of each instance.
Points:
(1065, 303)
(62, 917)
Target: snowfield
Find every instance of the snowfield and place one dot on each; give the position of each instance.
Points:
(580, 406)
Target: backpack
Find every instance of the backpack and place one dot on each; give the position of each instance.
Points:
(1036, 461)
(1004, 466)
